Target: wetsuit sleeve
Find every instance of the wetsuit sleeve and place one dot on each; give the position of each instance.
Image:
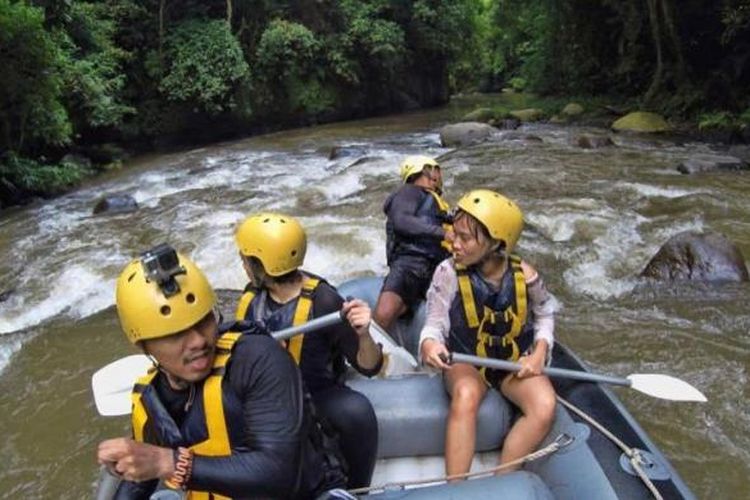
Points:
(267, 463)
(443, 288)
(402, 210)
(342, 336)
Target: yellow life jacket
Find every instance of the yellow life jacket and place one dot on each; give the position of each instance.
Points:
(217, 443)
(301, 312)
(503, 330)
(444, 209)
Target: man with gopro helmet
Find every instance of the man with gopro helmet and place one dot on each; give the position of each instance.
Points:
(222, 413)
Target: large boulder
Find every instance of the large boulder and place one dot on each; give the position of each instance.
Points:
(641, 121)
(116, 204)
(698, 257)
(464, 134)
(528, 114)
(707, 163)
(572, 109)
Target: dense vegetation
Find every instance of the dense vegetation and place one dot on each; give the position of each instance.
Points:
(91, 78)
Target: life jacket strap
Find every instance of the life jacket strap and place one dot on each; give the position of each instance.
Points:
(301, 315)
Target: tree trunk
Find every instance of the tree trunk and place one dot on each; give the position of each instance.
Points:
(667, 10)
(656, 80)
(162, 8)
(229, 14)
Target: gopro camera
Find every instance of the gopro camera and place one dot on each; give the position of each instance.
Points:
(161, 264)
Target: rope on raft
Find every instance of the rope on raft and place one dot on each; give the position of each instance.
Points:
(560, 442)
(633, 454)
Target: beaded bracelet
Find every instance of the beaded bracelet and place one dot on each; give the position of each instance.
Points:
(183, 468)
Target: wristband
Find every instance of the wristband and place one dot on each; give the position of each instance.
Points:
(183, 468)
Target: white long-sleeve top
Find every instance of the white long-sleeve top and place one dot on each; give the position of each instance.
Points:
(444, 287)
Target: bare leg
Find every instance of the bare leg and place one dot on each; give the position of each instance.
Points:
(389, 307)
(536, 399)
(467, 389)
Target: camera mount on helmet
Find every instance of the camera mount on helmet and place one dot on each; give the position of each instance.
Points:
(161, 264)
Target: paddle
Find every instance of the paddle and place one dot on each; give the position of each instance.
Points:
(113, 383)
(397, 359)
(655, 385)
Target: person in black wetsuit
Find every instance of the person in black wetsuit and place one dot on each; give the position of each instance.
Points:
(418, 235)
(223, 412)
(272, 247)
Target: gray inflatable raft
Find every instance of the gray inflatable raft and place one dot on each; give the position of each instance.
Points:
(412, 411)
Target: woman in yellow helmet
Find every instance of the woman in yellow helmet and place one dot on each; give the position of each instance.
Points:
(417, 237)
(280, 294)
(486, 301)
(222, 413)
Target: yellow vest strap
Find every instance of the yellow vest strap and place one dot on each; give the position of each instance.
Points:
(243, 305)
(301, 315)
(140, 416)
(444, 208)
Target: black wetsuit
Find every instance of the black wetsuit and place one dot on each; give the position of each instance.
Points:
(280, 453)
(414, 234)
(323, 367)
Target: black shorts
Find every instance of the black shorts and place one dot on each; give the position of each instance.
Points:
(409, 278)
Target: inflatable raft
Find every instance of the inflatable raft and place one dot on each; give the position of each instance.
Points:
(581, 461)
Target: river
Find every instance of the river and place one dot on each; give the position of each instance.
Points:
(594, 219)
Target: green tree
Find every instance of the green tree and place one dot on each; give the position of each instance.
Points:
(204, 64)
(31, 85)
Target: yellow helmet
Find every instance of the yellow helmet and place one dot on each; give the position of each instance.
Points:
(150, 309)
(500, 215)
(415, 165)
(277, 240)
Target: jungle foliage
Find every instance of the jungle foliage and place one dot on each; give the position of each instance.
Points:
(94, 77)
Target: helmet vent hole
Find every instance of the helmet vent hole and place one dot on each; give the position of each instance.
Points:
(190, 298)
(294, 252)
(266, 220)
(130, 278)
(476, 200)
(165, 310)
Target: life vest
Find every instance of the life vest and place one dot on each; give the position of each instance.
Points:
(491, 323)
(433, 209)
(204, 428)
(253, 305)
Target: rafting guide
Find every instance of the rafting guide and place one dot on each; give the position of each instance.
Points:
(222, 412)
(418, 235)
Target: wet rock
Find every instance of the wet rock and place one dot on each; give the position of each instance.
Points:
(697, 257)
(6, 294)
(116, 204)
(572, 110)
(366, 159)
(528, 115)
(592, 141)
(483, 115)
(506, 124)
(707, 163)
(641, 121)
(464, 134)
(338, 152)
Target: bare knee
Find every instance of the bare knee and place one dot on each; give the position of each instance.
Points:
(542, 409)
(466, 398)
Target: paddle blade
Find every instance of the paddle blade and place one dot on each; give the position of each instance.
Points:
(398, 360)
(113, 383)
(665, 387)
